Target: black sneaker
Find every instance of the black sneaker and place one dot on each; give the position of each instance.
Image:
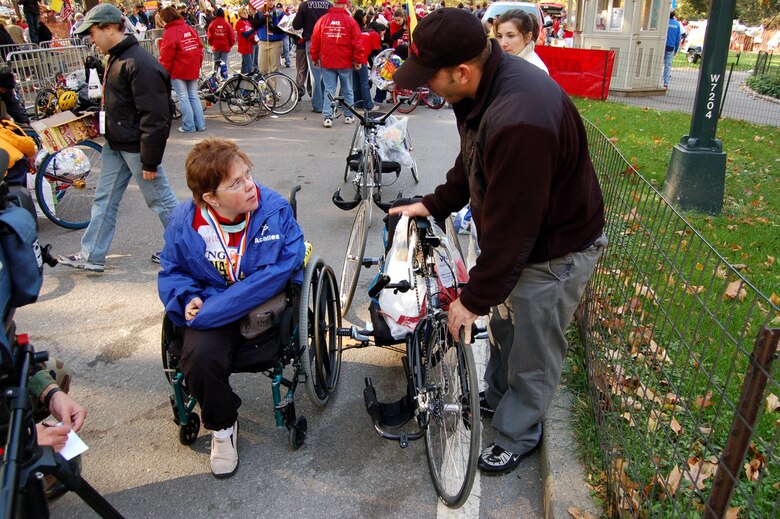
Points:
(485, 411)
(156, 257)
(495, 461)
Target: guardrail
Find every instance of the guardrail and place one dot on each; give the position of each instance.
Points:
(679, 350)
(37, 68)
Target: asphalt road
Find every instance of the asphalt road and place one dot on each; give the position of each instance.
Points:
(107, 327)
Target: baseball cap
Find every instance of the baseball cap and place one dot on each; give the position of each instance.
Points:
(340, 1)
(101, 13)
(445, 38)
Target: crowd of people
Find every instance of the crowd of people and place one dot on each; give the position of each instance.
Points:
(235, 244)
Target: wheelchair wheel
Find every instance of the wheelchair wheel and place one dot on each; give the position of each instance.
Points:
(285, 93)
(240, 100)
(432, 99)
(353, 259)
(65, 184)
(452, 438)
(189, 433)
(319, 320)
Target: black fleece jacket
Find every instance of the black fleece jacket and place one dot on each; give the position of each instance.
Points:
(308, 13)
(525, 167)
(137, 98)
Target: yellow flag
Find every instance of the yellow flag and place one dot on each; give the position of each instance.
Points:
(56, 5)
(412, 18)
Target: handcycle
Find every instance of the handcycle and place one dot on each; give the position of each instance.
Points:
(244, 98)
(305, 346)
(367, 166)
(66, 181)
(442, 392)
(409, 99)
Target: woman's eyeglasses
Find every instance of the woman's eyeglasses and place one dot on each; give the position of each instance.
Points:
(238, 185)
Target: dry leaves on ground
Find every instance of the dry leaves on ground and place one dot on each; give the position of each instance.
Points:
(576, 513)
(772, 403)
(700, 470)
(735, 290)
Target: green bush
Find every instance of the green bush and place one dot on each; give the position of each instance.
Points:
(766, 84)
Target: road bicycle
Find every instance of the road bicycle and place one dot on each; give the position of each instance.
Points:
(409, 99)
(442, 392)
(244, 98)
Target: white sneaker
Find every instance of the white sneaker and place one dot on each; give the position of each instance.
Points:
(349, 120)
(327, 123)
(224, 454)
(76, 261)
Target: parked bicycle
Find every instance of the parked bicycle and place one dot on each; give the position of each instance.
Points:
(409, 99)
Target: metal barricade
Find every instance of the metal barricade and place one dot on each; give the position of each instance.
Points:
(37, 68)
(150, 46)
(56, 43)
(154, 34)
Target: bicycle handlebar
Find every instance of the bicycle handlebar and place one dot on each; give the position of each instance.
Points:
(364, 119)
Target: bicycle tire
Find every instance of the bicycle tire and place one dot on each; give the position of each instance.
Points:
(452, 437)
(353, 258)
(432, 100)
(46, 103)
(285, 92)
(266, 98)
(240, 100)
(357, 136)
(66, 197)
(411, 98)
(415, 169)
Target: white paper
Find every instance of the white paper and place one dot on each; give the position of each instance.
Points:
(73, 447)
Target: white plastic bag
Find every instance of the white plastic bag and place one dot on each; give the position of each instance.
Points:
(95, 89)
(393, 141)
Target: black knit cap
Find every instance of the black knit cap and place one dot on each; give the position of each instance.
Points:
(7, 79)
(444, 38)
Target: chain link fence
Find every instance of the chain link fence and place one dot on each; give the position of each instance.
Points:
(679, 353)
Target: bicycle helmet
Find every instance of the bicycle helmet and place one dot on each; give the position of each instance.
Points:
(68, 100)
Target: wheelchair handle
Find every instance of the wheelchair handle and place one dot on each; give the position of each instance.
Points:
(364, 119)
(383, 282)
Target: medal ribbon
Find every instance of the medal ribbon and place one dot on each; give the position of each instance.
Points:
(233, 269)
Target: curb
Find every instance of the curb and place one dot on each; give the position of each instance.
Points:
(563, 478)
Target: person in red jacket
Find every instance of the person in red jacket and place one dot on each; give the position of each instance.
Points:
(337, 47)
(247, 46)
(181, 53)
(221, 38)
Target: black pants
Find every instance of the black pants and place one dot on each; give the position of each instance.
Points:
(206, 361)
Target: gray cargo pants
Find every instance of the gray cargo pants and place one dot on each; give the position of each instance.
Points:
(527, 344)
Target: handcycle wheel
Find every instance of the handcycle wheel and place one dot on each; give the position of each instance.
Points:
(240, 100)
(285, 92)
(357, 139)
(353, 259)
(65, 184)
(415, 168)
(46, 103)
(319, 320)
(267, 98)
(432, 99)
(452, 438)
(411, 98)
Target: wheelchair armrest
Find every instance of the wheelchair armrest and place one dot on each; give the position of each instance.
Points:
(291, 198)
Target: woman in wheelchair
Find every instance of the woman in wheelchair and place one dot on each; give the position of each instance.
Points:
(234, 246)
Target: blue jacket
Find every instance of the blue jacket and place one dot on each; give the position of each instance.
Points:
(673, 35)
(268, 26)
(274, 255)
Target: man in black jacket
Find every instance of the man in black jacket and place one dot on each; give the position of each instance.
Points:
(306, 18)
(537, 206)
(32, 13)
(136, 122)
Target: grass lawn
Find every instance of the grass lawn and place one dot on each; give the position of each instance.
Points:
(741, 60)
(746, 234)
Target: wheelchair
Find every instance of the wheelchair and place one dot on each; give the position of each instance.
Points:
(304, 346)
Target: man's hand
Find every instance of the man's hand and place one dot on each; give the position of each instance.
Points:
(192, 308)
(52, 435)
(357, 66)
(416, 209)
(150, 175)
(458, 316)
(67, 411)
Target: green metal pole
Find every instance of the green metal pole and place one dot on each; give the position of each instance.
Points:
(696, 176)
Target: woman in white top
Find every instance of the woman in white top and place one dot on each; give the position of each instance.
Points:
(517, 31)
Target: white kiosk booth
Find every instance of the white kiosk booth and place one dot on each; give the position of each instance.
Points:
(634, 29)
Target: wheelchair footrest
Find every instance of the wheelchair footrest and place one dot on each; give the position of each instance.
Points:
(387, 415)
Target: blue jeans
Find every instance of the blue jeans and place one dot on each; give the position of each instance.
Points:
(248, 62)
(118, 168)
(316, 82)
(32, 26)
(361, 88)
(668, 57)
(223, 57)
(330, 78)
(191, 109)
(286, 50)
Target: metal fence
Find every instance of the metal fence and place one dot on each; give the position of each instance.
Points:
(679, 353)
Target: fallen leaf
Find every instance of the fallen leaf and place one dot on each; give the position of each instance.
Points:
(575, 512)
(694, 289)
(700, 470)
(753, 469)
(703, 402)
(775, 299)
(735, 248)
(732, 513)
(770, 260)
(699, 267)
(675, 425)
(705, 430)
(627, 416)
(673, 480)
(772, 403)
(735, 291)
